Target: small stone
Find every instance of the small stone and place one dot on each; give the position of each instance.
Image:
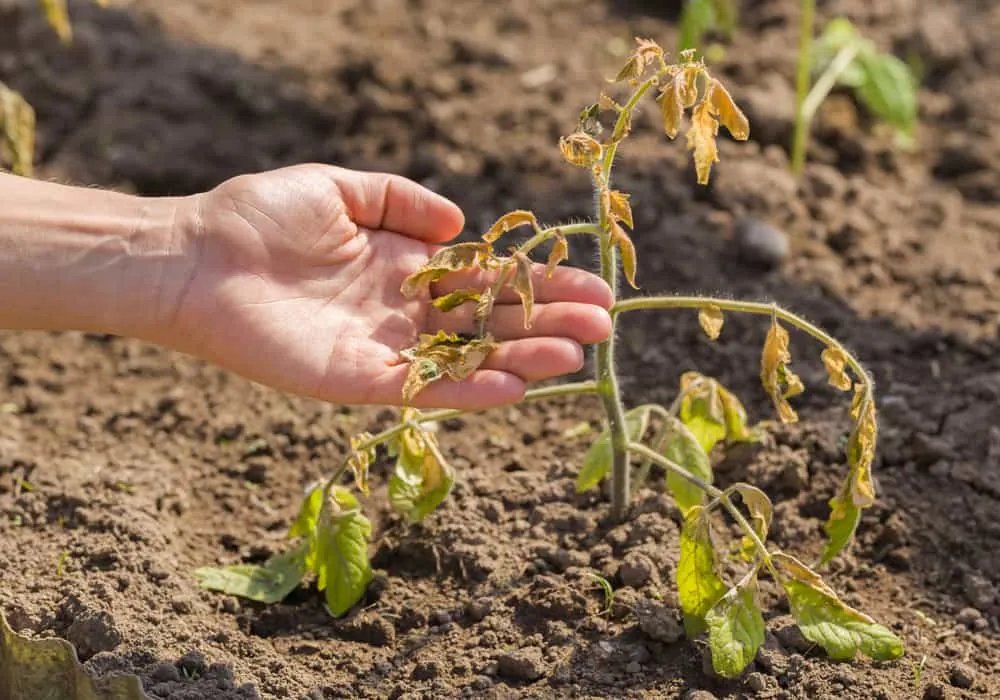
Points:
(934, 691)
(633, 667)
(791, 637)
(635, 570)
(760, 243)
(93, 631)
(440, 617)
(961, 676)
(481, 683)
(523, 665)
(978, 590)
(165, 673)
(256, 473)
(756, 681)
(658, 621)
(970, 617)
(699, 695)
(478, 609)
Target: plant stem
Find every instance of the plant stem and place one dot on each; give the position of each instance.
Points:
(748, 307)
(826, 81)
(553, 231)
(801, 135)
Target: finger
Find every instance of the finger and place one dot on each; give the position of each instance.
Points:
(535, 359)
(566, 284)
(486, 388)
(385, 202)
(583, 323)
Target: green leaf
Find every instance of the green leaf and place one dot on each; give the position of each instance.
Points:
(826, 620)
(305, 523)
(839, 34)
(422, 478)
(597, 461)
(342, 565)
(269, 583)
(698, 583)
(682, 448)
(712, 413)
(843, 521)
(698, 17)
(889, 90)
(735, 629)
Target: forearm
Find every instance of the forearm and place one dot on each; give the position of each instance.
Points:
(85, 259)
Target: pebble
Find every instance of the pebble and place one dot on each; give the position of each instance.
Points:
(635, 570)
(658, 621)
(699, 695)
(961, 676)
(934, 691)
(165, 672)
(524, 665)
(756, 681)
(478, 609)
(761, 243)
(971, 618)
(978, 590)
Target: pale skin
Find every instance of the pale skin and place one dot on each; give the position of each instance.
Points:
(290, 278)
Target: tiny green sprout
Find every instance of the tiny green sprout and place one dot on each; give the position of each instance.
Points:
(63, 557)
(605, 585)
(673, 442)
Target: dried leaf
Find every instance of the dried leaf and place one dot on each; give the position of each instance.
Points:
(57, 15)
(688, 81)
(861, 453)
(443, 355)
(484, 308)
(620, 208)
(701, 139)
(627, 249)
(672, 108)
(729, 114)
(17, 131)
(835, 360)
(559, 252)
(779, 381)
(580, 149)
(509, 221)
(699, 586)
(606, 102)
(710, 318)
(645, 52)
(460, 256)
(453, 300)
(523, 286)
(360, 460)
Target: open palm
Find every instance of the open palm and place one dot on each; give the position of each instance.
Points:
(297, 286)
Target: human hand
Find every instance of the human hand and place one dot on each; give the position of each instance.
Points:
(296, 284)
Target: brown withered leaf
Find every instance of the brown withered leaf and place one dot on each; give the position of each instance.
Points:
(360, 460)
(729, 114)
(523, 285)
(646, 51)
(484, 307)
(608, 103)
(580, 149)
(779, 381)
(559, 252)
(620, 207)
(688, 84)
(460, 256)
(455, 299)
(861, 452)
(671, 108)
(443, 355)
(710, 318)
(17, 131)
(627, 250)
(509, 221)
(835, 361)
(701, 139)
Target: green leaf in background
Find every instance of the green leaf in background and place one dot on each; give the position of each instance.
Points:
(697, 17)
(341, 563)
(698, 583)
(826, 620)
(597, 461)
(269, 583)
(422, 479)
(681, 447)
(889, 90)
(735, 629)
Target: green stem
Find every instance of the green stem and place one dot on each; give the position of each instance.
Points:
(553, 231)
(748, 307)
(824, 84)
(801, 135)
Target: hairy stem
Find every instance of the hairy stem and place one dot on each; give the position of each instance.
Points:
(546, 234)
(801, 135)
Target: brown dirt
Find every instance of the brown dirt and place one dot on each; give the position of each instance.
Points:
(145, 464)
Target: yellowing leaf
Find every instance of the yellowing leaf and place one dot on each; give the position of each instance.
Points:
(58, 17)
(422, 478)
(834, 360)
(735, 629)
(826, 620)
(672, 108)
(342, 567)
(688, 84)
(712, 413)
(627, 249)
(701, 139)
(268, 583)
(484, 307)
(711, 320)
(580, 149)
(759, 505)
(460, 256)
(597, 461)
(559, 252)
(359, 460)
(842, 523)
(861, 454)
(453, 300)
(778, 380)
(645, 52)
(730, 115)
(619, 206)
(523, 286)
(682, 448)
(699, 586)
(509, 221)
(17, 131)
(443, 355)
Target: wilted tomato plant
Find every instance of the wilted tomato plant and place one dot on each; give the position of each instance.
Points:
(333, 532)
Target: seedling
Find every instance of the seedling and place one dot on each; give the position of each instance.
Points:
(332, 531)
(883, 83)
(699, 17)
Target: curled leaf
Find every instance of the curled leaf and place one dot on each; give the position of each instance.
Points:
(672, 107)
(735, 629)
(422, 478)
(627, 249)
(509, 221)
(759, 505)
(699, 586)
(712, 413)
(826, 620)
(711, 320)
(453, 300)
(523, 286)
(580, 149)
(17, 131)
(701, 139)
(842, 523)
(341, 563)
(460, 256)
(835, 361)
(443, 355)
(861, 453)
(620, 208)
(779, 381)
(360, 460)
(645, 52)
(484, 307)
(688, 84)
(559, 252)
(730, 116)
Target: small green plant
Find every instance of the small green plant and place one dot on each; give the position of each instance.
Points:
(883, 83)
(333, 532)
(699, 17)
